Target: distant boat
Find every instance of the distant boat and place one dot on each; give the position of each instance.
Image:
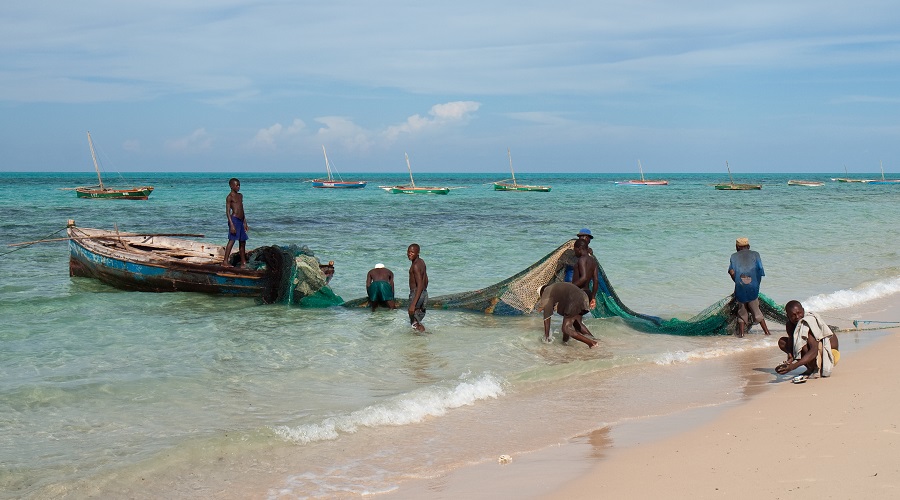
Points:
(793, 182)
(642, 181)
(883, 180)
(846, 179)
(107, 193)
(330, 182)
(412, 188)
(505, 186)
(736, 187)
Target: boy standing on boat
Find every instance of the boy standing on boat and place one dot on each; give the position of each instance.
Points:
(746, 271)
(237, 222)
(418, 287)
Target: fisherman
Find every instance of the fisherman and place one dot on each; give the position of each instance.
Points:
(571, 303)
(746, 271)
(237, 222)
(586, 274)
(809, 340)
(585, 236)
(418, 287)
(380, 287)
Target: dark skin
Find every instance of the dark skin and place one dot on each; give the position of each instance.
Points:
(586, 274)
(418, 281)
(809, 353)
(572, 326)
(762, 321)
(234, 206)
(587, 239)
(381, 274)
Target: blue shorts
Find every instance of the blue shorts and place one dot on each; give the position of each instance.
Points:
(239, 233)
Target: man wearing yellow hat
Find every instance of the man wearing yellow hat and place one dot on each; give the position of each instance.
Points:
(746, 271)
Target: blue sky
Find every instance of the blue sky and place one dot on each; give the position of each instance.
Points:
(571, 86)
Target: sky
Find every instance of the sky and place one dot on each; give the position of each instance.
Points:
(567, 86)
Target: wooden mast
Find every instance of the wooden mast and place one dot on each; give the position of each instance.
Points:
(641, 169)
(511, 171)
(327, 165)
(411, 181)
(94, 157)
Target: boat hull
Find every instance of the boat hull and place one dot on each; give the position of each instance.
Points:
(418, 190)
(884, 181)
(738, 187)
(805, 183)
(500, 186)
(140, 193)
(326, 184)
(89, 257)
(643, 183)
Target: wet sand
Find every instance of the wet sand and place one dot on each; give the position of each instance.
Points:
(834, 437)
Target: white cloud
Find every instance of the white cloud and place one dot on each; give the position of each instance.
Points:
(442, 115)
(198, 140)
(266, 138)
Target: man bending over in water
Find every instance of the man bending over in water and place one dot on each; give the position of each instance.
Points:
(571, 303)
(808, 339)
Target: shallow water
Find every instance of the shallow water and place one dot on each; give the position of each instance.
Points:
(109, 391)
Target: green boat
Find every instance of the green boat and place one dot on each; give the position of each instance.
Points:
(514, 186)
(107, 193)
(736, 187)
(412, 188)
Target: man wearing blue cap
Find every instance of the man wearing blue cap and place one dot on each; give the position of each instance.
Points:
(585, 234)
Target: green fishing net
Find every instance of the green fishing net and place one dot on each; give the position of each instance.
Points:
(520, 294)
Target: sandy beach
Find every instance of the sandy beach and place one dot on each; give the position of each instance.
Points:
(826, 438)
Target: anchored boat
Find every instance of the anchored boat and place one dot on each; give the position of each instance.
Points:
(107, 193)
(330, 181)
(642, 181)
(506, 186)
(736, 187)
(412, 188)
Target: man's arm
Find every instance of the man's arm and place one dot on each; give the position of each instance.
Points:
(812, 352)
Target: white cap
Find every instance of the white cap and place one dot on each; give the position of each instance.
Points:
(379, 265)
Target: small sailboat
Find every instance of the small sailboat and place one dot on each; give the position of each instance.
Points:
(506, 186)
(330, 182)
(107, 193)
(846, 179)
(794, 182)
(736, 187)
(642, 181)
(883, 180)
(412, 188)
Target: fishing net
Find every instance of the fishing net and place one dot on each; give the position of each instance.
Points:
(520, 294)
(294, 276)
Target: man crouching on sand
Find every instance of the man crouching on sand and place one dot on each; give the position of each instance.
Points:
(809, 340)
(571, 303)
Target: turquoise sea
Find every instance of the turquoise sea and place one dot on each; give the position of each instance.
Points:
(112, 394)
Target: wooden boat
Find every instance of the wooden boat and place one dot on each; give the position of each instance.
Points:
(412, 188)
(846, 179)
(330, 182)
(107, 193)
(163, 263)
(883, 180)
(506, 186)
(793, 182)
(642, 181)
(735, 187)
(152, 263)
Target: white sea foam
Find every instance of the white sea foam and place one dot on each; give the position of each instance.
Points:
(672, 357)
(408, 409)
(852, 297)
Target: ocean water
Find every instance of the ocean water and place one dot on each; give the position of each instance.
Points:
(114, 393)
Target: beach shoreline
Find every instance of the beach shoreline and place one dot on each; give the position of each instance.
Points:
(843, 428)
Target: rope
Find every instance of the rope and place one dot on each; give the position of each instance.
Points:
(872, 329)
(33, 242)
